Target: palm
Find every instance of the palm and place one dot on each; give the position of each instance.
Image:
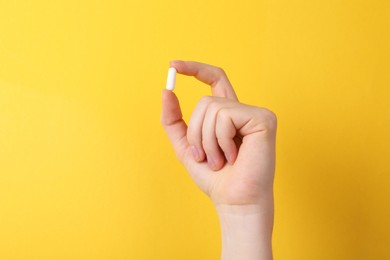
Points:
(237, 184)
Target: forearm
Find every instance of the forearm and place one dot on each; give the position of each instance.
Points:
(247, 230)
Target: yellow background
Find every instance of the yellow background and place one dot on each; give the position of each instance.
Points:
(86, 171)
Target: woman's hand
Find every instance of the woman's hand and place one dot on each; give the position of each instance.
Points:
(228, 147)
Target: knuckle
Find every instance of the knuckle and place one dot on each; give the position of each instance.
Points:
(270, 119)
(223, 114)
(220, 72)
(214, 106)
(206, 100)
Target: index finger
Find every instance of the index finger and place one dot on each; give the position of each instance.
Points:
(211, 75)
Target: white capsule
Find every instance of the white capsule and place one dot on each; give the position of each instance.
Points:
(171, 79)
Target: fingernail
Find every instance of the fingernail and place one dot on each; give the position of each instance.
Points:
(195, 153)
(211, 162)
(229, 158)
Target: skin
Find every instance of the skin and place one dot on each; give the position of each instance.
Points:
(228, 148)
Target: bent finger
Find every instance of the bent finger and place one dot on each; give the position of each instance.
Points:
(195, 125)
(226, 133)
(213, 152)
(211, 75)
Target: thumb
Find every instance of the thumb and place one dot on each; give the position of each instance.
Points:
(173, 123)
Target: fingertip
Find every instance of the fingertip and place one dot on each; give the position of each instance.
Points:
(219, 166)
(215, 163)
(231, 158)
(176, 64)
(198, 153)
(195, 153)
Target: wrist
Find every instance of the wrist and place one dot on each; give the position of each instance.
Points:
(247, 230)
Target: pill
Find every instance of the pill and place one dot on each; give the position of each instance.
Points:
(171, 79)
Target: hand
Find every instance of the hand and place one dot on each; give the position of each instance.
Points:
(228, 147)
(229, 150)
